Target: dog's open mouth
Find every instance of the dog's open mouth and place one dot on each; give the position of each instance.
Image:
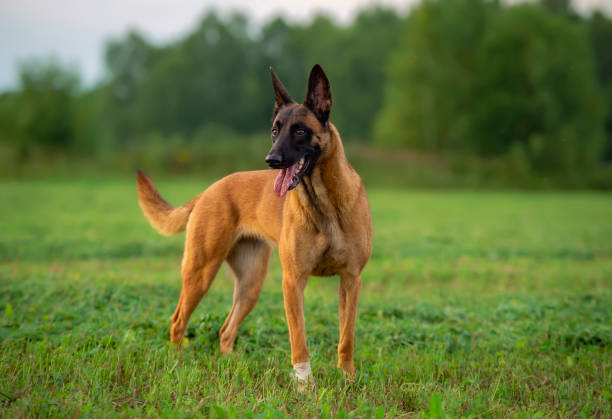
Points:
(290, 177)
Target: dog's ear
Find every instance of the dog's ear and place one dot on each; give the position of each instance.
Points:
(281, 95)
(318, 95)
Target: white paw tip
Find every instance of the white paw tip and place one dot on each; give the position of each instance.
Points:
(303, 375)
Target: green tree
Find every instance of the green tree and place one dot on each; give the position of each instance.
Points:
(9, 106)
(42, 112)
(600, 28)
(536, 90)
(128, 62)
(359, 83)
(206, 78)
(353, 58)
(476, 77)
(563, 7)
(218, 74)
(431, 74)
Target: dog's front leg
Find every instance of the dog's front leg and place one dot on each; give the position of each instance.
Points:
(293, 294)
(350, 285)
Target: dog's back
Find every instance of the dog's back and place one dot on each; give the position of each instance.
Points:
(246, 196)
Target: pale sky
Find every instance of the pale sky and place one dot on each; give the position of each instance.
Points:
(74, 31)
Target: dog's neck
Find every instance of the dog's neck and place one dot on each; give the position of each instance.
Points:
(333, 185)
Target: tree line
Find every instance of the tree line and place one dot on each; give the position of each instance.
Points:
(477, 77)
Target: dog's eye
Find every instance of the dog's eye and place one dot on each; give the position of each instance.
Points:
(300, 132)
(274, 132)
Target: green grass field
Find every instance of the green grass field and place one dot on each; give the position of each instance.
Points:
(483, 304)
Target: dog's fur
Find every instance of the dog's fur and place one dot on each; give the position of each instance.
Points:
(322, 228)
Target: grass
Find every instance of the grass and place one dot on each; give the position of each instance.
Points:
(494, 304)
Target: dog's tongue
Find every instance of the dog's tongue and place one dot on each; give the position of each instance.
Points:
(284, 179)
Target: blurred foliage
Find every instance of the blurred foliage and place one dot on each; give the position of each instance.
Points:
(600, 28)
(218, 74)
(528, 87)
(43, 111)
(480, 78)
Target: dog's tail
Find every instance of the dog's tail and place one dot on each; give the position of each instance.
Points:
(165, 218)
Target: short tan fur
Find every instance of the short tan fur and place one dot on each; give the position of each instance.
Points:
(322, 227)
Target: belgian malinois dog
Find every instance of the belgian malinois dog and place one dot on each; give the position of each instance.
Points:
(313, 205)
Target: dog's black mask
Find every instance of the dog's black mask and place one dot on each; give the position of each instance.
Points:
(293, 150)
(297, 130)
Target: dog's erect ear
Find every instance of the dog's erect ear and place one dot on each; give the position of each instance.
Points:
(318, 96)
(280, 93)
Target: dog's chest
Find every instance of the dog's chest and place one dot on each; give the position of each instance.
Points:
(334, 253)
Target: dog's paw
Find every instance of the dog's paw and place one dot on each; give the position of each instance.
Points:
(348, 370)
(303, 377)
(179, 345)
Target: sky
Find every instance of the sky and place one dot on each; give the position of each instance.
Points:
(75, 31)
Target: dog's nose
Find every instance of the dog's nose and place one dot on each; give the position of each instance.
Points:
(274, 159)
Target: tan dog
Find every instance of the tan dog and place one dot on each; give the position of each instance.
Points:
(322, 228)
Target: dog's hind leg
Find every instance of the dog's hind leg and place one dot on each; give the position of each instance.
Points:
(206, 246)
(196, 282)
(248, 261)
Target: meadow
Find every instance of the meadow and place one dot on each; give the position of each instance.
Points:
(474, 304)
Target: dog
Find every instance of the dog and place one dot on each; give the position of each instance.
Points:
(312, 205)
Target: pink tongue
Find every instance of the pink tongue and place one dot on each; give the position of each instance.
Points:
(284, 180)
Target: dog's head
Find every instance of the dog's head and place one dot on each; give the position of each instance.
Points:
(300, 132)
